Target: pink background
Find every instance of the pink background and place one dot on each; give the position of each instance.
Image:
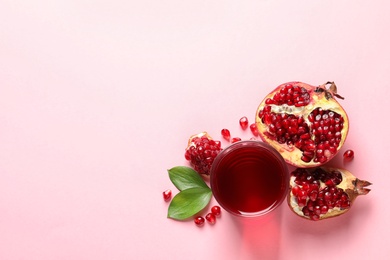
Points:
(98, 99)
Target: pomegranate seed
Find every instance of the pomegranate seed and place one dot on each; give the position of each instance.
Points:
(199, 221)
(301, 202)
(306, 159)
(315, 217)
(295, 190)
(328, 196)
(254, 130)
(305, 136)
(216, 210)
(167, 195)
(349, 155)
(313, 195)
(306, 211)
(187, 155)
(317, 210)
(210, 217)
(269, 101)
(310, 205)
(302, 194)
(244, 122)
(225, 134)
(324, 209)
(236, 139)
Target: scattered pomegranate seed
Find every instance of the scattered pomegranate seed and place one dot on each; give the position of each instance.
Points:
(236, 139)
(254, 130)
(244, 122)
(199, 221)
(348, 155)
(216, 210)
(225, 134)
(167, 195)
(210, 217)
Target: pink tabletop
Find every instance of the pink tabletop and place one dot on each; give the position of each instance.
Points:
(98, 99)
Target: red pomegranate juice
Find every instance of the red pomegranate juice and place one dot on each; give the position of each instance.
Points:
(249, 178)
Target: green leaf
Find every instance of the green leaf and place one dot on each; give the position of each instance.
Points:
(184, 177)
(189, 202)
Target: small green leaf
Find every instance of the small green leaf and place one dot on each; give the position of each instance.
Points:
(184, 177)
(189, 202)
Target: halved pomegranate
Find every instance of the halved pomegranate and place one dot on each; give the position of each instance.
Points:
(319, 193)
(304, 123)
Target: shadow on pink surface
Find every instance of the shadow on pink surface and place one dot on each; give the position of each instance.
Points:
(260, 237)
(360, 210)
(264, 237)
(337, 232)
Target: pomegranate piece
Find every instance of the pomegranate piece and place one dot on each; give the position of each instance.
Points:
(210, 217)
(167, 195)
(348, 155)
(244, 122)
(216, 210)
(304, 123)
(201, 152)
(225, 134)
(199, 221)
(320, 193)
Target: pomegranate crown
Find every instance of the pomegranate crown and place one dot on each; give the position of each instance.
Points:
(330, 90)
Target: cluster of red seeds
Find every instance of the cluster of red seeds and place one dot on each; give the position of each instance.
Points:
(202, 153)
(314, 199)
(326, 127)
(286, 128)
(290, 95)
(211, 217)
(317, 140)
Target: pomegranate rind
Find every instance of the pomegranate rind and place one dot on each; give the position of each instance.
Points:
(290, 153)
(350, 184)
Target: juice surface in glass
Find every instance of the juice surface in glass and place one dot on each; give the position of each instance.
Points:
(249, 178)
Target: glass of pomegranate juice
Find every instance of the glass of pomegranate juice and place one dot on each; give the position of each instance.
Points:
(249, 178)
